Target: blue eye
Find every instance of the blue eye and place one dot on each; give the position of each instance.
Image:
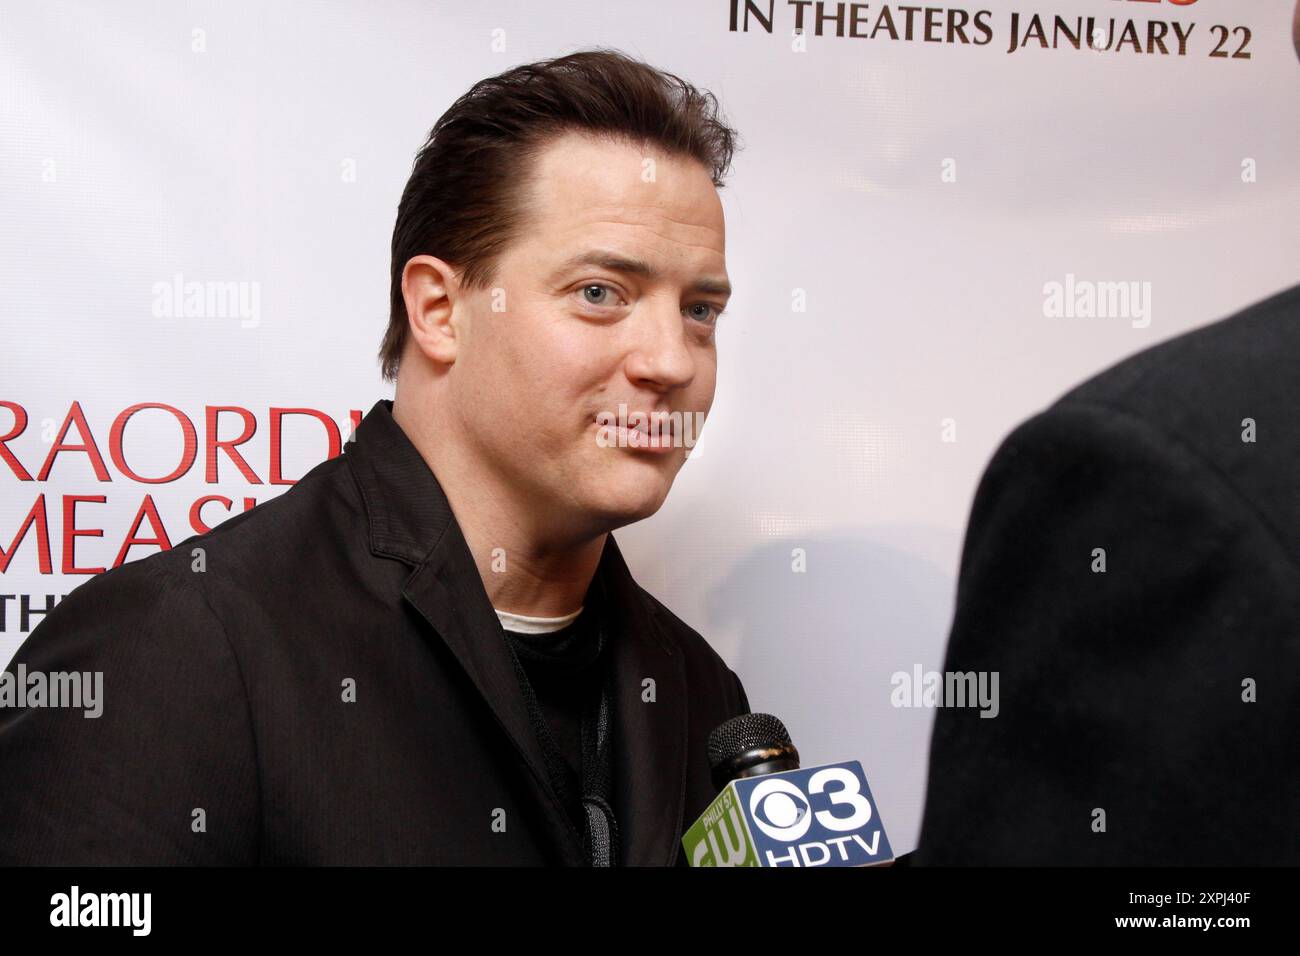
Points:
(708, 305)
(598, 294)
(594, 285)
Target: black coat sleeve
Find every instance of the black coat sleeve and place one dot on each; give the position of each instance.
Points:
(740, 693)
(1120, 691)
(173, 735)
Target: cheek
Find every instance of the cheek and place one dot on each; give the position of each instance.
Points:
(572, 384)
(551, 406)
(704, 387)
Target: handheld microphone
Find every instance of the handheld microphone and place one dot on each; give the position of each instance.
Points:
(770, 812)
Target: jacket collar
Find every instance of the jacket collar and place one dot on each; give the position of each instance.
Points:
(411, 520)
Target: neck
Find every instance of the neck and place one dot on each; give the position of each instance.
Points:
(526, 569)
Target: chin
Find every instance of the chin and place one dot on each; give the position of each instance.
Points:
(631, 501)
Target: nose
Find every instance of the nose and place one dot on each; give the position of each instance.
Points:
(661, 357)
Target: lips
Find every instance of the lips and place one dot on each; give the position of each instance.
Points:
(667, 427)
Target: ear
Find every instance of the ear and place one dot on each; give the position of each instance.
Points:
(430, 288)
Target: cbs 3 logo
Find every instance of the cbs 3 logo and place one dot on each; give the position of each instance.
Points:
(783, 811)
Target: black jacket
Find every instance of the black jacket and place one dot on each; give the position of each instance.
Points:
(1122, 690)
(224, 691)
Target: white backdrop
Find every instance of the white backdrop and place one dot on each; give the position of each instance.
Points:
(893, 220)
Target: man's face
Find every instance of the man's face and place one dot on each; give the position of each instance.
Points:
(568, 332)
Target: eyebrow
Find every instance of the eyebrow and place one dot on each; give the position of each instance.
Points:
(615, 262)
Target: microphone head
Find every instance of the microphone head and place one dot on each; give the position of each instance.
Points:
(748, 745)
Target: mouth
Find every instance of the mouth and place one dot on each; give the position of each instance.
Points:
(655, 432)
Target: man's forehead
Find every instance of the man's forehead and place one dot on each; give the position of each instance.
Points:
(581, 158)
(582, 182)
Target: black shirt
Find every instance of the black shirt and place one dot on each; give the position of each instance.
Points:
(561, 668)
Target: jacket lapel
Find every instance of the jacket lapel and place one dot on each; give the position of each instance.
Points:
(448, 592)
(650, 745)
(411, 519)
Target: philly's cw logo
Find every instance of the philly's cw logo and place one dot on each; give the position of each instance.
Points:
(820, 816)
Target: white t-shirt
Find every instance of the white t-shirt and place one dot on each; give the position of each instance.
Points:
(523, 624)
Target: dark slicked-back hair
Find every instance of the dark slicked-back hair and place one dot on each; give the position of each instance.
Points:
(465, 200)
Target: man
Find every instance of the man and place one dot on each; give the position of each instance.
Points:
(1132, 572)
(334, 682)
